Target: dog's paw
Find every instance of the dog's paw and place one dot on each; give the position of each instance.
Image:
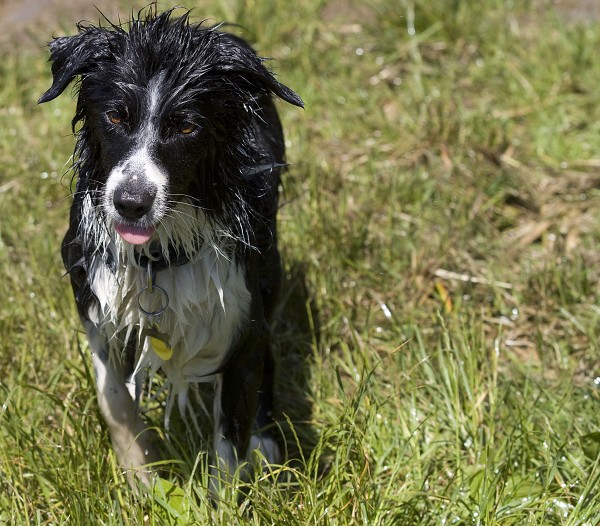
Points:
(268, 448)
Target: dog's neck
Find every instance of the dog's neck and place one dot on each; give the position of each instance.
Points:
(175, 258)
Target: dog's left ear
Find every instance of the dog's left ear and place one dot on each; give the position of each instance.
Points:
(242, 62)
(74, 55)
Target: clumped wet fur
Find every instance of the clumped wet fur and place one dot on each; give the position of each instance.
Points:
(178, 157)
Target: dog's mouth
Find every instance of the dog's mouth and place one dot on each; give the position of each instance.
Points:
(136, 235)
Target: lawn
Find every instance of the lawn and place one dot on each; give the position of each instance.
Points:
(438, 336)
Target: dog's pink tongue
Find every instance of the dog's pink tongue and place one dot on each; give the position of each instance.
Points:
(134, 234)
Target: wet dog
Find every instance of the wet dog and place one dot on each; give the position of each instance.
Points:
(172, 246)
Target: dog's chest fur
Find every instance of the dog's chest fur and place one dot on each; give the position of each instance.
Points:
(208, 303)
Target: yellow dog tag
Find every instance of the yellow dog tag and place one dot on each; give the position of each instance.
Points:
(161, 348)
(159, 342)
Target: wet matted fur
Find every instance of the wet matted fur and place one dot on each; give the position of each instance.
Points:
(172, 246)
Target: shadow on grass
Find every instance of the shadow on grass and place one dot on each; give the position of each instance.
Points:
(295, 338)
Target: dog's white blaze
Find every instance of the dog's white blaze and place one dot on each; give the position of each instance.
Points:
(153, 94)
(140, 162)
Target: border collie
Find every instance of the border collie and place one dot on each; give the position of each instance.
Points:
(171, 247)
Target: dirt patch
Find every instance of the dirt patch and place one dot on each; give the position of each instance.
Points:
(578, 11)
(30, 24)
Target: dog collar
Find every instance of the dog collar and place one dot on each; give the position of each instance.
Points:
(158, 261)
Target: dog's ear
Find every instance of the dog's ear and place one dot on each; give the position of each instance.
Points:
(72, 56)
(264, 79)
(242, 62)
(279, 89)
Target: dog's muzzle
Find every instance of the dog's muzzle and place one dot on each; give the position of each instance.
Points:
(132, 198)
(133, 205)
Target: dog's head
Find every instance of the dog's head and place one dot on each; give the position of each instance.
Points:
(168, 113)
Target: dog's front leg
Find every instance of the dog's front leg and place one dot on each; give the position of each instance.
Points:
(242, 410)
(236, 403)
(131, 439)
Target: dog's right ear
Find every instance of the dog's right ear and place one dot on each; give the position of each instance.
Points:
(74, 55)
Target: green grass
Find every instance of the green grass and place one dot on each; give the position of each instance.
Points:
(438, 339)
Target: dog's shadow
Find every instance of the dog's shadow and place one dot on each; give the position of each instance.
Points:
(295, 339)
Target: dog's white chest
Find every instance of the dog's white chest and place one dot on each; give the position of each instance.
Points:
(208, 301)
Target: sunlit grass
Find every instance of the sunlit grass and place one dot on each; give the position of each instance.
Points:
(438, 338)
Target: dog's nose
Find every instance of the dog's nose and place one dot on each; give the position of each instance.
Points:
(133, 205)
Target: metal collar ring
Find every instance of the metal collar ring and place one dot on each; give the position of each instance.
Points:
(164, 303)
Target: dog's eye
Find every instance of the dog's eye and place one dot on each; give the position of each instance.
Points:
(186, 127)
(115, 117)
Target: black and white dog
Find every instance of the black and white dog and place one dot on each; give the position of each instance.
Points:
(171, 247)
